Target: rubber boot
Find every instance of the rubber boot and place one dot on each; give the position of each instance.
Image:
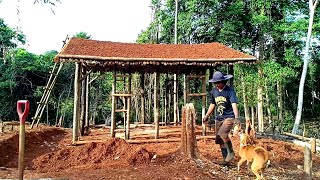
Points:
(230, 154)
(224, 153)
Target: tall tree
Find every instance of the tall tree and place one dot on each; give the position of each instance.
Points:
(312, 7)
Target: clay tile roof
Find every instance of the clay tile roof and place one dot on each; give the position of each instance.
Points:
(145, 57)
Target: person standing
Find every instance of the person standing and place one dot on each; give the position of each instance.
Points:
(223, 100)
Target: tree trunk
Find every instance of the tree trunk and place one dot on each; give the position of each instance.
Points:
(245, 99)
(280, 104)
(268, 106)
(252, 116)
(312, 7)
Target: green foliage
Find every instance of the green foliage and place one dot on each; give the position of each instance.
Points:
(83, 35)
(9, 38)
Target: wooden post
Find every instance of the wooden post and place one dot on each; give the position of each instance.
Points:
(87, 101)
(191, 137)
(83, 100)
(204, 98)
(113, 106)
(76, 102)
(142, 118)
(175, 99)
(156, 103)
(307, 161)
(186, 89)
(184, 131)
(128, 109)
(313, 145)
(188, 137)
(165, 97)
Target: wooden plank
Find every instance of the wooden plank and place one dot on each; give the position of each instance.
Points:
(197, 94)
(122, 95)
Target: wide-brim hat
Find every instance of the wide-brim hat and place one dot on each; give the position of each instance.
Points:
(219, 76)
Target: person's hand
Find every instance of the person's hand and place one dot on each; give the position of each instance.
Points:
(237, 122)
(205, 119)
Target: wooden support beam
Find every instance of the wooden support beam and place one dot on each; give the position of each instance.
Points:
(197, 94)
(142, 91)
(113, 105)
(175, 99)
(84, 76)
(122, 95)
(87, 101)
(127, 135)
(156, 103)
(121, 110)
(76, 103)
(83, 99)
(204, 102)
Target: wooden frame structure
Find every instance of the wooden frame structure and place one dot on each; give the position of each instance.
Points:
(125, 58)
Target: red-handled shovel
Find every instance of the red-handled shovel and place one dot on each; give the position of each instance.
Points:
(22, 117)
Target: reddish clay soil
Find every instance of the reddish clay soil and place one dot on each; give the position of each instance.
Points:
(50, 155)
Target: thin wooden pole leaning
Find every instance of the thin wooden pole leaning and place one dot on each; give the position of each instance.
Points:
(75, 130)
(113, 105)
(156, 103)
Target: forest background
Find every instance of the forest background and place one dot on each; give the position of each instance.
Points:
(273, 31)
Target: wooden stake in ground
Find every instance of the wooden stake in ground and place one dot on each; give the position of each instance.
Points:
(313, 145)
(307, 161)
(188, 137)
(22, 137)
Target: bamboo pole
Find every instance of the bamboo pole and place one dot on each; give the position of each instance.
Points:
(156, 103)
(76, 99)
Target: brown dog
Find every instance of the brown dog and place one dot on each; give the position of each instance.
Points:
(257, 156)
(250, 129)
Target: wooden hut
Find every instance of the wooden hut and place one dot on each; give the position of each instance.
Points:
(123, 59)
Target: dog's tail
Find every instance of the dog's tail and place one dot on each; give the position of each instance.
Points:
(261, 150)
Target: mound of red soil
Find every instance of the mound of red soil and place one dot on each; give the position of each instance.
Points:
(114, 152)
(34, 143)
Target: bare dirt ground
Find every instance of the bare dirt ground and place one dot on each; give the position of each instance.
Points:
(49, 154)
